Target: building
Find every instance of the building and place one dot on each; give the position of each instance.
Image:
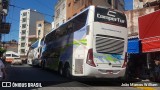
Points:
(27, 29)
(137, 4)
(132, 15)
(66, 9)
(76, 6)
(132, 20)
(10, 45)
(42, 28)
(60, 13)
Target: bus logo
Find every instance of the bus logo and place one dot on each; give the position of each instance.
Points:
(111, 13)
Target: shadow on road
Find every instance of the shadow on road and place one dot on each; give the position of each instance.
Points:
(106, 82)
(49, 78)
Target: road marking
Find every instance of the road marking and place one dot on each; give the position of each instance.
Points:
(146, 88)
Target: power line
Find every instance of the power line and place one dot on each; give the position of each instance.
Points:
(24, 8)
(44, 5)
(16, 6)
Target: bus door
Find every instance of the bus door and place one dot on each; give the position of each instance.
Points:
(79, 56)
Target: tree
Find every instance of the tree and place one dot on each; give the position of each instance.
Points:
(2, 50)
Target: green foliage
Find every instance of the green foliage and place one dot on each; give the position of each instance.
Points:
(2, 50)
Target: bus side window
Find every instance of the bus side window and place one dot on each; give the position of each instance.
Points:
(57, 34)
(80, 21)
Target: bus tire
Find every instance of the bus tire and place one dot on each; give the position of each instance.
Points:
(67, 73)
(60, 69)
(43, 64)
(152, 76)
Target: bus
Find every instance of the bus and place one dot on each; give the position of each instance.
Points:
(91, 44)
(33, 56)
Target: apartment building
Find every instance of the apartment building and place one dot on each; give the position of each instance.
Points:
(137, 11)
(42, 28)
(60, 13)
(76, 6)
(137, 4)
(27, 29)
(132, 19)
(66, 9)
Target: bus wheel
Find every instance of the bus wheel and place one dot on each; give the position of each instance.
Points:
(60, 69)
(152, 76)
(43, 64)
(67, 72)
(155, 74)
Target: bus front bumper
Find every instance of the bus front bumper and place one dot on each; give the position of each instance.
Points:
(104, 72)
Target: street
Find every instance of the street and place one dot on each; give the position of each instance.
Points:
(50, 80)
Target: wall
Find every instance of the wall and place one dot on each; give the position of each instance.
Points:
(74, 7)
(34, 17)
(61, 17)
(47, 28)
(132, 19)
(137, 4)
(44, 29)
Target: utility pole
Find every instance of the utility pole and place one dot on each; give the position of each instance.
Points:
(112, 4)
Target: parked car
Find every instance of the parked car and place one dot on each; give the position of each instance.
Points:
(12, 58)
(17, 61)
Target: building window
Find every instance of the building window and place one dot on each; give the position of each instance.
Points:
(40, 25)
(23, 32)
(22, 50)
(63, 6)
(57, 25)
(24, 20)
(63, 20)
(39, 32)
(23, 25)
(69, 4)
(110, 2)
(76, 0)
(22, 44)
(25, 14)
(58, 12)
(23, 39)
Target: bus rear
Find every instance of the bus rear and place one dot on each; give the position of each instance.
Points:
(107, 53)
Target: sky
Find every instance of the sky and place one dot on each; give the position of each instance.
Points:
(128, 4)
(13, 17)
(43, 6)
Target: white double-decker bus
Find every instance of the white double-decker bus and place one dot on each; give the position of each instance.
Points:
(34, 53)
(91, 44)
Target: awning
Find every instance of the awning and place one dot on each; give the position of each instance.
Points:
(133, 46)
(151, 44)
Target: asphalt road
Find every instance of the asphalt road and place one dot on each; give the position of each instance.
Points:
(50, 80)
